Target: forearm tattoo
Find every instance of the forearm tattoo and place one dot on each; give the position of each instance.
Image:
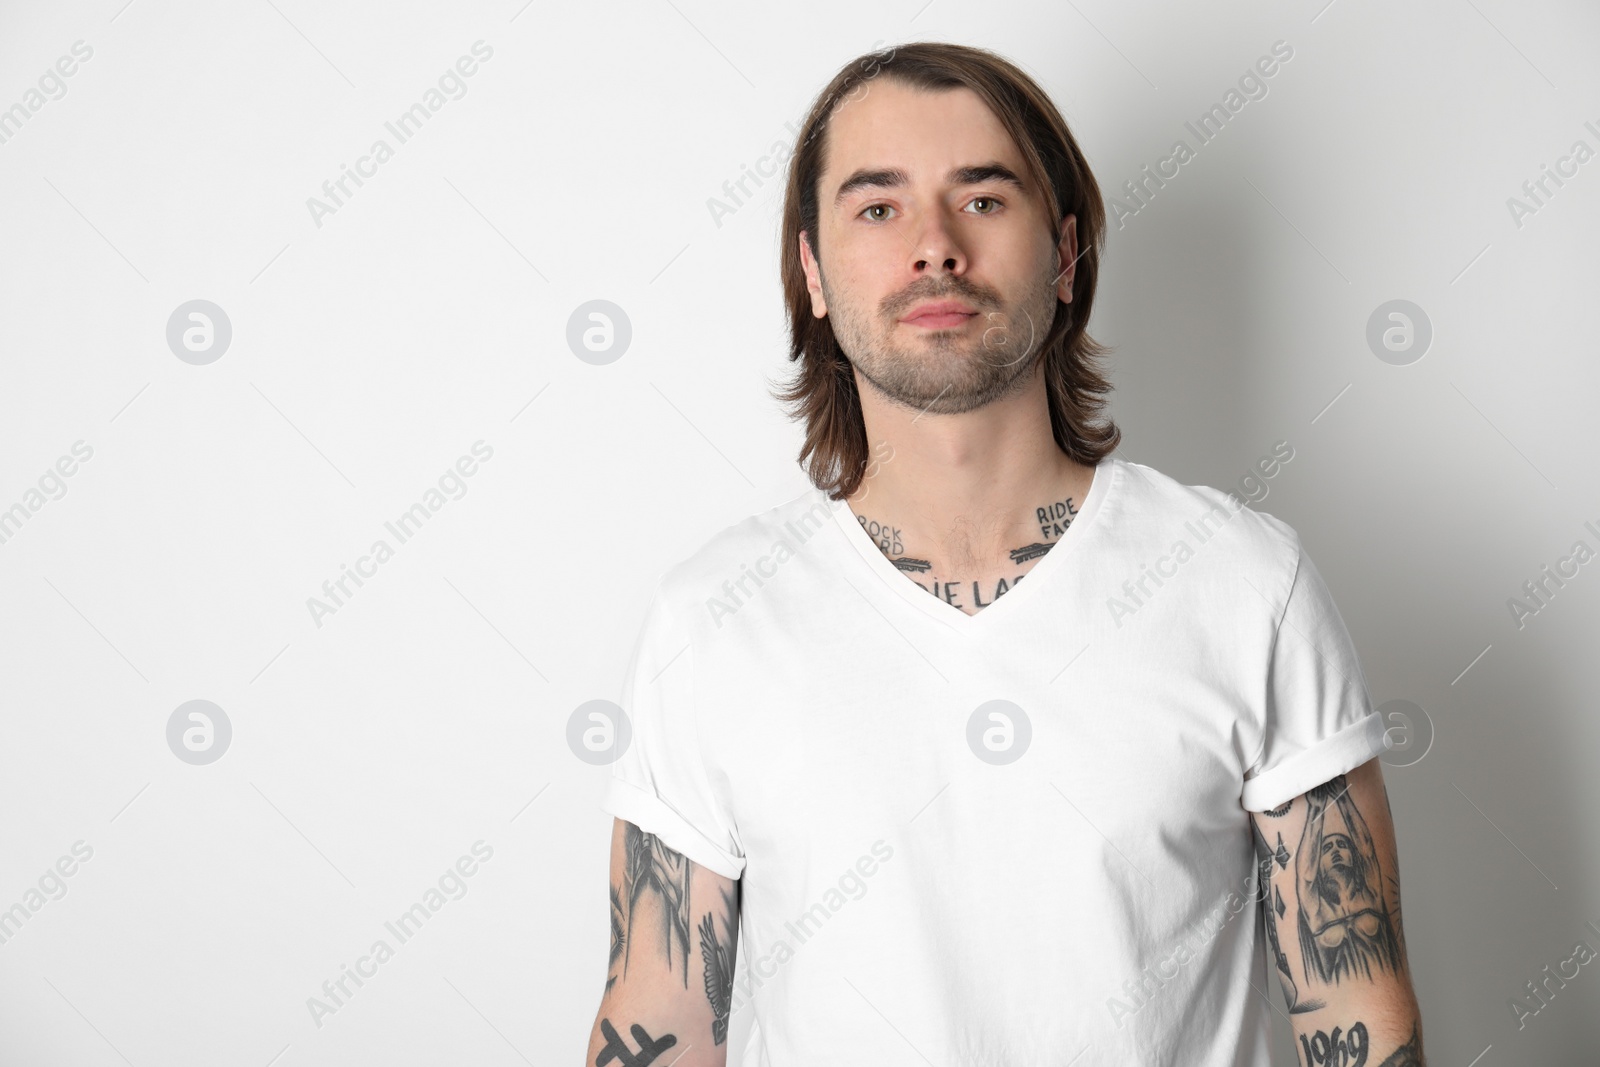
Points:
(618, 937)
(1352, 1048)
(718, 954)
(616, 1049)
(1342, 1048)
(652, 871)
(1344, 924)
(1273, 905)
(651, 867)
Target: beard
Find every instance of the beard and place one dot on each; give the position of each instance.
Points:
(954, 371)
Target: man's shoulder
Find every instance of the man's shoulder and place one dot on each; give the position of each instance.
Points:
(757, 543)
(1223, 521)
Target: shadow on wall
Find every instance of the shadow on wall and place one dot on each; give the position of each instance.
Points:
(1232, 332)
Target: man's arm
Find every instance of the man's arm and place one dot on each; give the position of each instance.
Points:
(1332, 900)
(669, 986)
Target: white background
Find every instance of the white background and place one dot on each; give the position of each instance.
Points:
(430, 311)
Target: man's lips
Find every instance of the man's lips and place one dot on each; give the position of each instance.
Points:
(940, 315)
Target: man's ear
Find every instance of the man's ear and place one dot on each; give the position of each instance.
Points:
(808, 261)
(1067, 258)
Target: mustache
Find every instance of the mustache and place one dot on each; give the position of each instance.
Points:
(979, 298)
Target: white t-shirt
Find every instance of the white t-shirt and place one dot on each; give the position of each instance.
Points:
(804, 717)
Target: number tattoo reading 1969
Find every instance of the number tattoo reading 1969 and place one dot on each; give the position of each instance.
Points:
(1339, 1049)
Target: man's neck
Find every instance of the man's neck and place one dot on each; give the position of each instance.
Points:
(975, 525)
(966, 505)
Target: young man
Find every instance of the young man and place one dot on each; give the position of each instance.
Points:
(994, 745)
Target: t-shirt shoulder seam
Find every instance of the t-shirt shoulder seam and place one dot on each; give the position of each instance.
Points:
(715, 546)
(1277, 627)
(676, 624)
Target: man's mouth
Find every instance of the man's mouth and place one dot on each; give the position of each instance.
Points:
(940, 315)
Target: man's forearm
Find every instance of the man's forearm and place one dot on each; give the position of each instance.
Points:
(1330, 895)
(1379, 1028)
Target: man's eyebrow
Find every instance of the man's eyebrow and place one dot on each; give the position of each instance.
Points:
(894, 178)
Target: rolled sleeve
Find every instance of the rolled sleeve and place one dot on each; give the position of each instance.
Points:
(645, 809)
(659, 782)
(1319, 721)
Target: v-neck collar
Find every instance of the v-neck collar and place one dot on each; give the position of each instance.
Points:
(1107, 475)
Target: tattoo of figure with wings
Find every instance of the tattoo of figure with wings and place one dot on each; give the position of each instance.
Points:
(1344, 921)
(718, 956)
(652, 867)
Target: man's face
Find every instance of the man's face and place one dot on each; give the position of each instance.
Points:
(918, 204)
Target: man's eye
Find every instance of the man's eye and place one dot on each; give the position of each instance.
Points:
(995, 202)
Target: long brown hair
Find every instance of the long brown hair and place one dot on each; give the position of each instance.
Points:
(823, 392)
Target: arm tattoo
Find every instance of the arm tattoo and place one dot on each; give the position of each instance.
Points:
(1351, 1049)
(1344, 922)
(652, 867)
(1274, 909)
(718, 956)
(616, 935)
(617, 1049)
(1338, 1049)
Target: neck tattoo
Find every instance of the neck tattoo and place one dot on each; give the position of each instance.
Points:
(972, 595)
